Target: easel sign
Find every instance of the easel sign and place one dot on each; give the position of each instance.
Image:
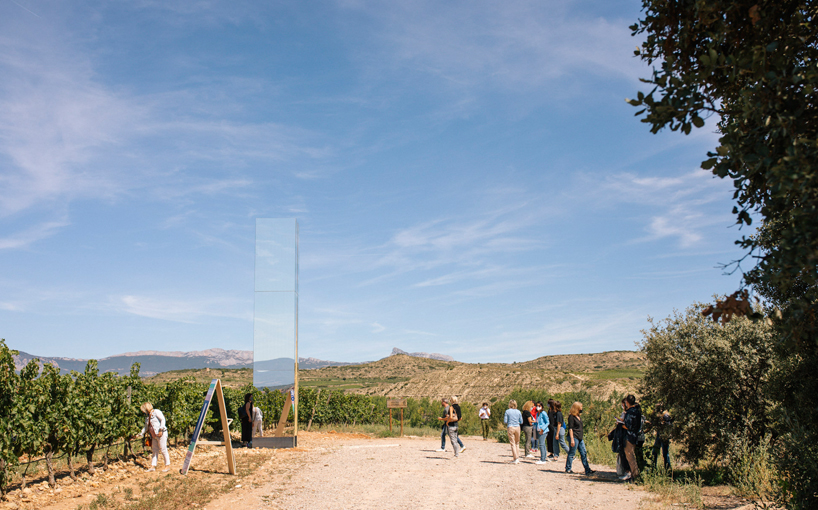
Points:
(215, 387)
(396, 403)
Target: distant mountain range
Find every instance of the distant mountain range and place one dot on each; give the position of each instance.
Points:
(155, 362)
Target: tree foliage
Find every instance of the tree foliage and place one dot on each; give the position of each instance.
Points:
(714, 377)
(754, 65)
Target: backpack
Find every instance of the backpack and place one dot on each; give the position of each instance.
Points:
(457, 410)
(243, 414)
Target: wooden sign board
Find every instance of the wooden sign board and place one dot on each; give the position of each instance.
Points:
(395, 403)
(214, 389)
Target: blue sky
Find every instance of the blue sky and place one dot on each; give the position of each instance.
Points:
(467, 177)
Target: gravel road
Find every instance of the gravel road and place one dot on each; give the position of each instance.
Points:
(354, 473)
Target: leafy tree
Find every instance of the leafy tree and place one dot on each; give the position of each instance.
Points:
(714, 379)
(754, 65)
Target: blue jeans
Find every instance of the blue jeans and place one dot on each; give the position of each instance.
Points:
(443, 434)
(559, 440)
(663, 445)
(543, 450)
(583, 455)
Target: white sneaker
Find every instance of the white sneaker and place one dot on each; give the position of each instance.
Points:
(441, 450)
(625, 478)
(516, 461)
(462, 449)
(529, 456)
(540, 462)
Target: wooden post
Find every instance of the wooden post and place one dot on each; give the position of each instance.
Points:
(282, 421)
(390, 420)
(228, 442)
(401, 422)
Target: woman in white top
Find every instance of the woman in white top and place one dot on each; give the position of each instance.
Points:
(156, 426)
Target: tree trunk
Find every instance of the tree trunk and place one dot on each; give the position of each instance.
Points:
(312, 414)
(49, 457)
(105, 459)
(89, 457)
(71, 471)
(23, 478)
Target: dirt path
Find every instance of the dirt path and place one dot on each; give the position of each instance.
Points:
(354, 473)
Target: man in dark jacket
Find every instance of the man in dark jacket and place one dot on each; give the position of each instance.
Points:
(633, 424)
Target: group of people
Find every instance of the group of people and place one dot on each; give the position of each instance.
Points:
(156, 429)
(550, 431)
(545, 430)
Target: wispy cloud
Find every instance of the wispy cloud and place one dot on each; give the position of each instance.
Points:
(523, 46)
(678, 205)
(31, 235)
(180, 310)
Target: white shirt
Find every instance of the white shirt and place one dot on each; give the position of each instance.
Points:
(257, 416)
(484, 413)
(157, 421)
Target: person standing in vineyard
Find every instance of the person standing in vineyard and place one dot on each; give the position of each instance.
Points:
(246, 417)
(258, 418)
(156, 428)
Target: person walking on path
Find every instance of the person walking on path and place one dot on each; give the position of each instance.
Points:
(559, 433)
(576, 442)
(456, 404)
(258, 419)
(451, 428)
(444, 433)
(485, 415)
(513, 420)
(528, 428)
(156, 426)
(543, 425)
(633, 424)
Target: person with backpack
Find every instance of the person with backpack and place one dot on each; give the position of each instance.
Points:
(633, 425)
(246, 418)
(157, 430)
(444, 433)
(456, 404)
(451, 419)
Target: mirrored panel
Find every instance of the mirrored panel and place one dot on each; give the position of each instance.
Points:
(275, 328)
(274, 339)
(276, 255)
